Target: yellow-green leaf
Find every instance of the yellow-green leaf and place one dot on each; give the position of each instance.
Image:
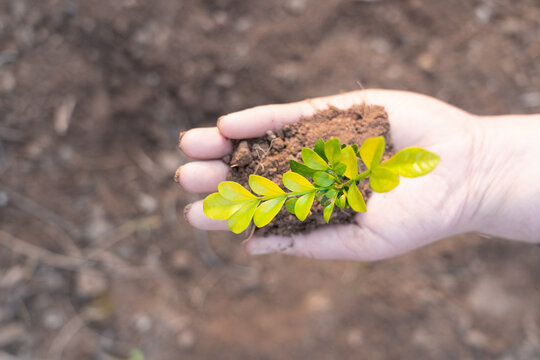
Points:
(296, 182)
(240, 220)
(289, 204)
(301, 168)
(303, 205)
(383, 180)
(313, 160)
(339, 168)
(412, 162)
(216, 207)
(319, 149)
(263, 186)
(234, 191)
(349, 158)
(268, 210)
(327, 212)
(355, 199)
(341, 201)
(332, 150)
(323, 178)
(372, 151)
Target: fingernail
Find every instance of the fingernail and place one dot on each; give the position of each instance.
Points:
(177, 175)
(186, 211)
(182, 133)
(219, 121)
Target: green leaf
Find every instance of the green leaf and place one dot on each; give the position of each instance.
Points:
(372, 151)
(268, 210)
(313, 160)
(319, 149)
(332, 150)
(289, 204)
(331, 193)
(412, 162)
(135, 354)
(327, 212)
(303, 205)
(329, 196)
(323, 178)
(240, 220)
(383, 180)
(355, 148)
(234, 191)
(216, 207)
(263, 186)
(355, 199)
(296, 182)
(341, 201)
(351, 161)
(339, 168)
(301, 168)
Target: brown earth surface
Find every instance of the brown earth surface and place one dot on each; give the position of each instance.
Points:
(95, 257)
(269, 156)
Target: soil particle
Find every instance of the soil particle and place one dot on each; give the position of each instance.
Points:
(242, 156)
(269, 156)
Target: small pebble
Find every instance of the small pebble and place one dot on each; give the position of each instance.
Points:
(90, 283)
(147, 203)
(181, 261)
(186, 339)
(7, 82)
(143, 323)
(270, 134)
(4, 199)
(53, 319)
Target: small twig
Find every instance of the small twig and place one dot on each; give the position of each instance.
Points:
(65, 262)
(123, 231)
(35, 252)
(41, 212)
(148, 165)
(64, 336)
(264, 154)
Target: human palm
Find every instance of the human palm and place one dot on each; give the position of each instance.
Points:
(417, 212)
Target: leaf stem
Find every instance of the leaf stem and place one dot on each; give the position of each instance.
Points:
(293, 194)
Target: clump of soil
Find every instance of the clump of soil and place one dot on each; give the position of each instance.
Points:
(269, 156)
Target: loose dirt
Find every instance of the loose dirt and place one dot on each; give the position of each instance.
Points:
(269, 156)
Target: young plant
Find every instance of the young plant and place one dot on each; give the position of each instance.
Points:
(333, 169)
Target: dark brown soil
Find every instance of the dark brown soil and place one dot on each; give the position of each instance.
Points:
(269, 156)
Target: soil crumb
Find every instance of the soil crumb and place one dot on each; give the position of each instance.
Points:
(269, 156)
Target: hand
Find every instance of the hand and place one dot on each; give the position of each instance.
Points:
(458, 196)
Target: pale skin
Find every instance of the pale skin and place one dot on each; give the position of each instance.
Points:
(488, 180)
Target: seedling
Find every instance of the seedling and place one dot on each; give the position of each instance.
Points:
(333, 169)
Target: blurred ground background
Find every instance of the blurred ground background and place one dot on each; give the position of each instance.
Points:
(96, 259)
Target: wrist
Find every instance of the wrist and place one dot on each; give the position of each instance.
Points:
(505, 177)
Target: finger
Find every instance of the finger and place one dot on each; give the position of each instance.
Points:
(205, 143)
(195, 216)
(256, 121)
(201, 176)
(332, 242)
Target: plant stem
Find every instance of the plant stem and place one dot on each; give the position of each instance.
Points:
(293, 194)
